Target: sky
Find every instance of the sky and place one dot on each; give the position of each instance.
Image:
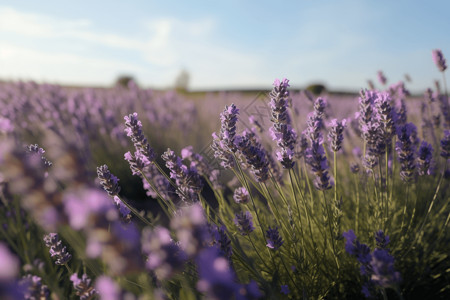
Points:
(223, 44)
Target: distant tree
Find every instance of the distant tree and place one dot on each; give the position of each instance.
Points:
(316, 88)
(182, 81)
(125, 81)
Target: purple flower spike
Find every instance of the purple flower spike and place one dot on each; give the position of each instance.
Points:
(274, 240)
(108, 181)
(281, 130)
(405, 150)
(57, 250)
(138, 162)
(445, 145)
(165, 257)
(134, 131)
(244, 222)
(384, 273)
(31, 287)
(424, 159)
(255, 155)
(439, 59)
(335, 136)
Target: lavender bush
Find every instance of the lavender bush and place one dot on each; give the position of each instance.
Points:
(305, 201)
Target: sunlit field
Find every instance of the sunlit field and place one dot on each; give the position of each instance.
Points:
(132, 193)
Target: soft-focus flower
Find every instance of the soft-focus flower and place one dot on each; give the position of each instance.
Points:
(217, 279)
(221, 240)
(164, 257)
(274, 240)
(384, 273)
(445, 145)
(32, 288)
(424, 159)
(83, 286)
(285, 289)
(381, 78)
(191, 228)
(107, 288)
(241, 195)
(439, 59)
(244, 222)
(9, 264)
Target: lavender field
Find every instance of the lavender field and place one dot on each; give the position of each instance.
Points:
(133, 193)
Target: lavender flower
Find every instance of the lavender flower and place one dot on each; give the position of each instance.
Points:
(187, 179)
(107, 288)
(366, 102)
(355, 248)
(138, 162)
(285, 289)
(57, 250)
(241, 195)
(108, 181)
(354, 168)
(382, 265)
(385, 116)
(9, 269)
(164, 257)
(405, 151)
(35, 149)
(439, 59)
(134, 131)
(315, 120)
(315, 157)
(32, 288)
(445, 145)
(381, 78)
(83, 287)
(203, 168)
(424, 159)
(223, 144)
(191, 229)
(243, 221)
(274, 240)
(217, 279)
(254, 155)
(281, 130)
(222, 241)
(335, 135)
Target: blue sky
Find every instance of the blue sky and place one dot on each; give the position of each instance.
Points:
(223, 44)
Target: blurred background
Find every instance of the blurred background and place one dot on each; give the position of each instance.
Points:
(227, 45)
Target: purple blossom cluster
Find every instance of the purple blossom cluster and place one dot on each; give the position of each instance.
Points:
(57, 250)
(188, 180)
(281, 130)
(377, 266)
(406, 152)
(223, 143)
